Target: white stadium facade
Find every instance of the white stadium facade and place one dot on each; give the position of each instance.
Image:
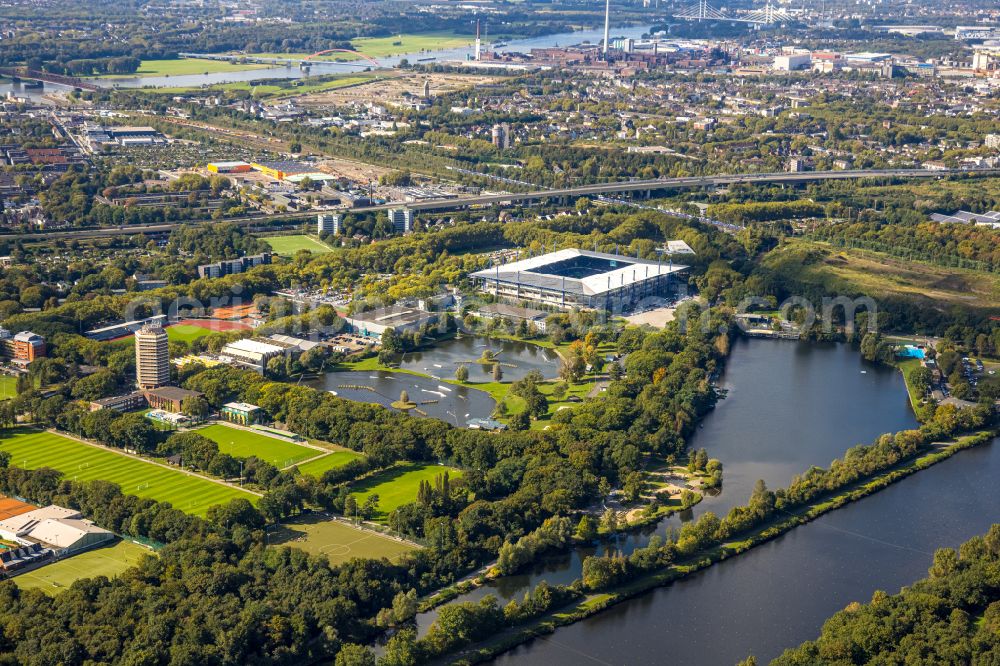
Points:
(576, 278)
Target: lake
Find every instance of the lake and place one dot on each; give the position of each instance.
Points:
(516, 359)
(454, 404)
(789, 405)
(779, 594)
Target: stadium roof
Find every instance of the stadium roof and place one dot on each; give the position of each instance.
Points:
(543, 272)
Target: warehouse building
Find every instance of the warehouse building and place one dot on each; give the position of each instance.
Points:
(229, 167)
(579, 279)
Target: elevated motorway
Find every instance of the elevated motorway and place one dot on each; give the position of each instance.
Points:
(690, 182)
(596, 190)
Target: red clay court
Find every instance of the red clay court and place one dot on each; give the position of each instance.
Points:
(215, 325)
(10, 507)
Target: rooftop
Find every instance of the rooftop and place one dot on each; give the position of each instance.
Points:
(579, 271)
(395, 315)
(172, 393)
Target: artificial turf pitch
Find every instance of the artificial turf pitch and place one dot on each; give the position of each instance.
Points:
(32, 449)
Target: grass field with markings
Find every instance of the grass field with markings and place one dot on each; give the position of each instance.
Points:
(398, 486)
(108, 561)
(339, 541)
(245, 443)
(330, 461)
(32, 449)
(287, 246)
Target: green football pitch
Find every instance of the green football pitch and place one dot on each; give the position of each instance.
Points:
(108, 561)
(32, 449)
(339, 541)
(398, 486)
(245, 443)
(330, 461)
(289, 245)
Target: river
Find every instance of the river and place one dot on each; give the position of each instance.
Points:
(330, 67)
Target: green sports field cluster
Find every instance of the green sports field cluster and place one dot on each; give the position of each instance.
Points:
(32, 449)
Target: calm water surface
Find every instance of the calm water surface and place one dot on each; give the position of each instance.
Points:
(516, 359)
(790, 405)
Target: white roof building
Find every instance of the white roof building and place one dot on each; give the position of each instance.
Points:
(579, 278)
(63, 530)
(251, 353)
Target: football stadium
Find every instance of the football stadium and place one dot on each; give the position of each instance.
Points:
(580, 279)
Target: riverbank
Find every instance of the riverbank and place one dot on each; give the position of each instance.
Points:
(593, 604)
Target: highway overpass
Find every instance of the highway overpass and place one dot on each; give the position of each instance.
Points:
(454, 203)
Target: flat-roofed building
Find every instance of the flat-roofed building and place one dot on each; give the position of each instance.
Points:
(229, 167)
(401, 220)
(328, 223)
(514, 313)
(22, 348)
(169, 398)
(242, 412)
(233, 266)
(252, 354)
(62, 530)
(120, 403)
(373, 323)
(152, 357)
(575, 278)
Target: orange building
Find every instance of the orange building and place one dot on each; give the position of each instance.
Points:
(22, 348)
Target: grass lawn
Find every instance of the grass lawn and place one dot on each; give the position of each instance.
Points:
(337, 540)
(184, 66)
(244, 443)
(288, 245)
(330, 461)
(186, 332)
(8, 387)
(33, 448)
(108, 561)
(398, 486)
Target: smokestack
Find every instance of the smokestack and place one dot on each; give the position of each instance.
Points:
(479, 44)
(607, 25)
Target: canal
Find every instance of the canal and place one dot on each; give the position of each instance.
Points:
(789, 405)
